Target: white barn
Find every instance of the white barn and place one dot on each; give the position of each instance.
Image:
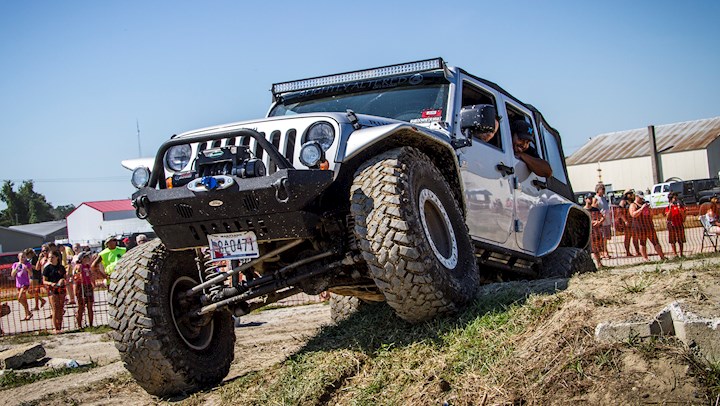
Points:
(686, 150)
(93, 222)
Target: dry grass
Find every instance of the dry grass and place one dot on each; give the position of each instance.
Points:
(514, 345)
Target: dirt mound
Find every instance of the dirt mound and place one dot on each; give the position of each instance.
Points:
(521, 343)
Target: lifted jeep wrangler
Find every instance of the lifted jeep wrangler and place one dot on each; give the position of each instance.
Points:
(368, 184)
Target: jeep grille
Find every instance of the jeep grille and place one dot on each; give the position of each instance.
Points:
(283, 140)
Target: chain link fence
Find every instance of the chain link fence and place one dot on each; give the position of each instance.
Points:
(621, 240)
(14, 322)
(626, 236)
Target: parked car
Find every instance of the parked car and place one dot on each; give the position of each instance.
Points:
(6, 261)
(690, 191)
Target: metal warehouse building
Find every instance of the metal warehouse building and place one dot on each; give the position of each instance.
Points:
(628, 159)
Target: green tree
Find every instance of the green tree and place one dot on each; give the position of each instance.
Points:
(25, 206)
(15, 212)
(61, 212)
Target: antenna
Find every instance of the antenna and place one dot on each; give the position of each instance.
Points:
(137, 124)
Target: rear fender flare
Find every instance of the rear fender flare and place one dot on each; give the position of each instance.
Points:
(566, 225)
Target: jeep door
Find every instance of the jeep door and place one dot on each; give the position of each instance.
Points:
(486, 170)
(531, 194)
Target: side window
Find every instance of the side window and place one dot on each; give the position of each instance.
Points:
(666, 188)
(472, 95)
(656, 189)
(554, 156)
(517, 115)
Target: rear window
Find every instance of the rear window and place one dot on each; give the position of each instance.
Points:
(676, 187)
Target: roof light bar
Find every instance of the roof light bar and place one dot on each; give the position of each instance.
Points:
(384, 71)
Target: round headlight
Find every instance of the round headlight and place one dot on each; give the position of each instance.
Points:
(322, 132)
(178, 157)
(140, 177)
(311, 153)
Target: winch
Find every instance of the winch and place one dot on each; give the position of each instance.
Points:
(230, 160)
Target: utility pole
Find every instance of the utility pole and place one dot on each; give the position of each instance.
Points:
(654, 155)
(137, 124)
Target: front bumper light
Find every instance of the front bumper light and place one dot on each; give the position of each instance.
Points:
(178, 157)
(140, 177)
(311, 153)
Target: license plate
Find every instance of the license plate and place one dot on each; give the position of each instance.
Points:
(241, 245)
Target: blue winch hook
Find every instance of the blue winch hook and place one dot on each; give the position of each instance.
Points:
(209, 182)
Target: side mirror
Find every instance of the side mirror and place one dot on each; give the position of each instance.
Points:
(480, 117)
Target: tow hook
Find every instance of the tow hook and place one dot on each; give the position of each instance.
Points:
(282, 194)
(140, 206)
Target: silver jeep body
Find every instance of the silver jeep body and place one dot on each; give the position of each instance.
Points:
(521, 214)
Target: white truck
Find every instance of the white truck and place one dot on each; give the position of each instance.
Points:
(658, 196)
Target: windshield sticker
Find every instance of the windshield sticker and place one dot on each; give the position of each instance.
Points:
(432, 113)
(425, 120)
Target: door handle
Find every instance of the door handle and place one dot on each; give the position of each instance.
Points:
(540, 185)
(504, 169)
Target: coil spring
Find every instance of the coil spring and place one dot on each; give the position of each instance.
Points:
(208, 268)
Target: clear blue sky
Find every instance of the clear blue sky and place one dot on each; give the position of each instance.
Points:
(75, 76)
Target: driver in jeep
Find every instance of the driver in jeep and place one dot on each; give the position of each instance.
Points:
(522, 136)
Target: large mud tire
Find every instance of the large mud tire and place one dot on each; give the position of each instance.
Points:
(564, 262)
(165, 353)
(412, 235)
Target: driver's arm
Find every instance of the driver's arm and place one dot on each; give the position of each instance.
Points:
(539, 166)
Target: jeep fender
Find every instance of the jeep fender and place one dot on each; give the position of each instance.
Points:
(566, 225)
(367, 142)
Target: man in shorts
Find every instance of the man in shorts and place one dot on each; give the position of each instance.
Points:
(109, 256)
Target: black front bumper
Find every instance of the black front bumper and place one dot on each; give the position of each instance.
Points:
(275, 207)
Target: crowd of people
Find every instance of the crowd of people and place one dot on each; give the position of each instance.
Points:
(66, 275)
(634, 218)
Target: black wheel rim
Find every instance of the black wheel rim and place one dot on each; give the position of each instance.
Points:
(196, 335)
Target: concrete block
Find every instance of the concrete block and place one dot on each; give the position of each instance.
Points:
(700, 333)
(614, 332)
(663, 324)
(15, 358)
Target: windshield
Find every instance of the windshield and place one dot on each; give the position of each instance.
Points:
(401, 103)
